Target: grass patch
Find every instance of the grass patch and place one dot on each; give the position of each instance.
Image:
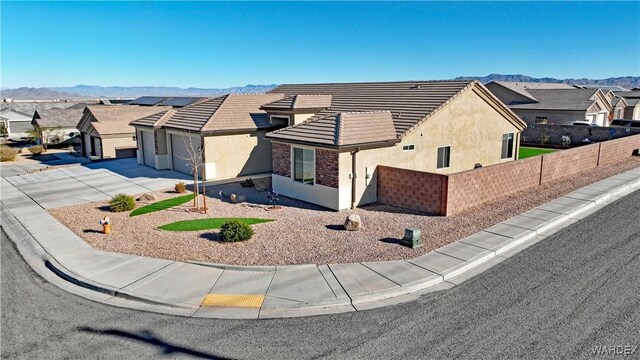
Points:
(526, 152)
(207, 224)
(162, 205)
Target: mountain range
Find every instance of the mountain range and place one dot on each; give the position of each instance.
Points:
(94, 91)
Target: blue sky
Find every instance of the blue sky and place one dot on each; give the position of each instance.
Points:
(222, 44)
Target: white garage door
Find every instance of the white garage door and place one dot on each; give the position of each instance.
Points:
(179, 153)
(148, 149)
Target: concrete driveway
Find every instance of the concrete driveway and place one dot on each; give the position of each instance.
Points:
(79, 184)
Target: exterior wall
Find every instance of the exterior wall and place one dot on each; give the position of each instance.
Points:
(616, 150)
(327, 168)
(281, 159)
(408, 189)
(555, 117)
(238, 155)
(569, 162)
(316, 194)
(578, 134)
(462, 191)
(632, 112)
(109, 145)
(54, 136)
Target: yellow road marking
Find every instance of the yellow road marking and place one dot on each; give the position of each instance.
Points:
(233, 300)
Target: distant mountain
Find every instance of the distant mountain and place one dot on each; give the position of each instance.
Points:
(628, 82)
(37, 94)
(93, 91)
(136, 91)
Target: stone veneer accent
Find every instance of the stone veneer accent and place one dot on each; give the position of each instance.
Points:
(327, 168)
(281, 159)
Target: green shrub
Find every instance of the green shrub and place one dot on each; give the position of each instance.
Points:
(180, 187)
(7, 153)
(122, 202)
(36, 149)
(234, 230)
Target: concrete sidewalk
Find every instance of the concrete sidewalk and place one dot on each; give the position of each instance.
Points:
(224, 291)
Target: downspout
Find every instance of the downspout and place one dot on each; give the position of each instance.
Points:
(353, 177)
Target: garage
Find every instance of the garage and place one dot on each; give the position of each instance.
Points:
(179, 154)
(148, 149)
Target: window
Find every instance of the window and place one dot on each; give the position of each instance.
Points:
(280, 120)
(541, 120)
(410, 147)
(507, 146)
(444, 155)
(304, 165)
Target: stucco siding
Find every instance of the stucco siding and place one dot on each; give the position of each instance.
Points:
(109, 145)
(554, 117)
(238, 155)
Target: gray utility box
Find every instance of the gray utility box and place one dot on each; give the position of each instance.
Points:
(412, 238)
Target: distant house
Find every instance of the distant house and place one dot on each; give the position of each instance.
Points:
(17, 124)
(340, 133)
(227, 130)
(106, 133)
(632, 107)
(551, 103)
(57, 126)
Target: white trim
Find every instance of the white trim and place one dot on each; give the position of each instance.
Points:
(437, 158)
(410, 147)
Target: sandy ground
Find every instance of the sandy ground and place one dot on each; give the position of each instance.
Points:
(304, 233)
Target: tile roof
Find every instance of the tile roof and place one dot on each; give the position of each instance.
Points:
(224, 113)
(342, 129)
(109, 120)
(293, 102)
(409, 102)
(633, 94)
(53, 118)
(523, 88)
(559, 99)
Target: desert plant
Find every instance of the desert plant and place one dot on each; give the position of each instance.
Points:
(122, 202)
(247, 183)
(7, 153)
(273, 198)
(180, 187)
(234, 230)
(36, 149)
(544, 139)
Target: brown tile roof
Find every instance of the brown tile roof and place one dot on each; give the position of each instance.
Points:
(409, 102)
(54, 118)
(342, 129)
(224, 113)
(108, 120)
(300, 102)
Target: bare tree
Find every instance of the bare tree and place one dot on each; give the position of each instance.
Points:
(194, 159)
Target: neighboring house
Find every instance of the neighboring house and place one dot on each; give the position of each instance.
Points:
(632, 108)
(558, 104)
(57, 126)
(17, 124)
(330, 154)
(619, 105)
(227, 130)
(106, 133)
(176, 101)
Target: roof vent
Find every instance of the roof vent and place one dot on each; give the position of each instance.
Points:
(419, 86)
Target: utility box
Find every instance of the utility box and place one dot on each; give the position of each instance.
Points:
(412, 238)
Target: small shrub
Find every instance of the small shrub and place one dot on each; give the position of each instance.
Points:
(247, 183)
(544, 139)
(122, 202)
(234, 230)
(8, 154)
(36, 149)
(180, 187)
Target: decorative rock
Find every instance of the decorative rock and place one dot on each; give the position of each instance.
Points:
(148, 197)
(353, 223)
(237, 198)
(260, 186)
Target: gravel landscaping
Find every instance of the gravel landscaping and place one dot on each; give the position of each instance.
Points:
(303, 233)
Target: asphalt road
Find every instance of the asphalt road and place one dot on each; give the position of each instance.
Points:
(562, 297)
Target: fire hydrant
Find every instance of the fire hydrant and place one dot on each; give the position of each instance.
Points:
(106, 225)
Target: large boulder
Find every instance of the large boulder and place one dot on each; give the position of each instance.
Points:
(353, 223)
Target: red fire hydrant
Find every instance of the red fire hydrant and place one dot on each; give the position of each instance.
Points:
(106, 225)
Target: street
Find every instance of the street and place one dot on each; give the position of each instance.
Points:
(562, 297)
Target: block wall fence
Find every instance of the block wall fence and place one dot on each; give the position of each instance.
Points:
(454, 193)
